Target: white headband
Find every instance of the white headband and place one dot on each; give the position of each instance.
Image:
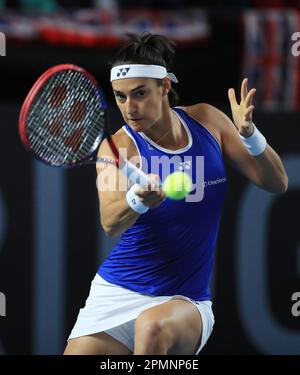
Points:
(139, 71)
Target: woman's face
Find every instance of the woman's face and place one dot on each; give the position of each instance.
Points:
(140, 101)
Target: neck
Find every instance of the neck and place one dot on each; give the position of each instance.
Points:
(168, 132)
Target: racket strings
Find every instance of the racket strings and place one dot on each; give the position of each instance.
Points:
(70, 109)
(53, 121)
(71, 139)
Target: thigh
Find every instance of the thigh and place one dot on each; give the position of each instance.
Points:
(180, 319)
(96, 344)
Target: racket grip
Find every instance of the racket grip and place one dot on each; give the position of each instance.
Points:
(134, 174)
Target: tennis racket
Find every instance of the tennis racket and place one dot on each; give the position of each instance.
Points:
(63, 121)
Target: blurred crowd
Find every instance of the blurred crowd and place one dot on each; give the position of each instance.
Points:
(52, 5)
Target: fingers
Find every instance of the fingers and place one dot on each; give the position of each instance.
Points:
(242, 111)
(248, 113)
(154, 182)
(249, 97)
(151, 195)
(144, 193)
(151, 198)
(231, 97)
(246, 97)
(244, 89)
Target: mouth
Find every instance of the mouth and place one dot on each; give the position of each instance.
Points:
(135, 120)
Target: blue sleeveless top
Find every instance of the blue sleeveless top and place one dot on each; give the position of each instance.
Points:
(170, 249)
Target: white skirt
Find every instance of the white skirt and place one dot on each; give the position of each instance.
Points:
(113, 309)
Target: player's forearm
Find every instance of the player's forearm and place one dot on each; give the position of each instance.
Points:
(271, 171)
(117, 216)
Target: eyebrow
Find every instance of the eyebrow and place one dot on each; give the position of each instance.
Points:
(131, 91)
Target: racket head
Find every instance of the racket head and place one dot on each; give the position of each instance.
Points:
(62, 119)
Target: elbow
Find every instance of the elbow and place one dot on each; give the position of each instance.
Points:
(110, 230)
(282, 186)
(108, 226)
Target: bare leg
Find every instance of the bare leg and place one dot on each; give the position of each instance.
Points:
(96, 344)
(174, 327)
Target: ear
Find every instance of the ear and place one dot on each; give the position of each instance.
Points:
(166, 87)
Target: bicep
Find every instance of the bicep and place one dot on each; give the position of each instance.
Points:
(111, 182)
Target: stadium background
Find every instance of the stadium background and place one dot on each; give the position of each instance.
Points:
(51, 241)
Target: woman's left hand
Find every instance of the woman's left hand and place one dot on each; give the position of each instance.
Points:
(242, 113)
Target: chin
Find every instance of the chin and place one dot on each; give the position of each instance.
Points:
(137, 126)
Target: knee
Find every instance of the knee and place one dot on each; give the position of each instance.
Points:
(152, 335)
(149, 329)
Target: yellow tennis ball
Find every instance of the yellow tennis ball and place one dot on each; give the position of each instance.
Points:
(177, 185)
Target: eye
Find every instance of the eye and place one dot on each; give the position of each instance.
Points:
(120, 97)
(140, 94)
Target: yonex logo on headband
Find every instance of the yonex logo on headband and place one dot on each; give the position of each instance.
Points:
(122, 72)
(140, 71)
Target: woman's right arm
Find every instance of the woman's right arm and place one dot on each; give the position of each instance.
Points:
(115, 213)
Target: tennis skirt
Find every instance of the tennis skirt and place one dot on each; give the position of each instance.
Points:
(113, 309)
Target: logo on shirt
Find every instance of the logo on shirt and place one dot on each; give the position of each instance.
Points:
(123, 72)
(185, 165)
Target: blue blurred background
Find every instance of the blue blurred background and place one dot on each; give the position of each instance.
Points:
(51, 241)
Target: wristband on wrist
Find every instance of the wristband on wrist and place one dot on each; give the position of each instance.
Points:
(256, 143)
(134, 201)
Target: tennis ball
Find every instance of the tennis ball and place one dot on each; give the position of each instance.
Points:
(177, 185)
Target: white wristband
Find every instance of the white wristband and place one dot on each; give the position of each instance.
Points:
(256, 143)
(134, 201)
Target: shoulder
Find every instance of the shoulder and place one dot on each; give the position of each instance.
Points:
(121, 140)
(224, 129)
(213, 119)
(208, 114)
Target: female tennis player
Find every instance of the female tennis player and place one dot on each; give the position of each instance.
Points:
(151, 295)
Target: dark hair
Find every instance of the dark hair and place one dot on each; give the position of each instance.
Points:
(148, 49)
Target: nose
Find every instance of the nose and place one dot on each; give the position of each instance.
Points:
(130, 107)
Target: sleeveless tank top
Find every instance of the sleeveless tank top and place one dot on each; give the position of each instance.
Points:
(169, 250)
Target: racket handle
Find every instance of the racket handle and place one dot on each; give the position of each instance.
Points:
(134, 174)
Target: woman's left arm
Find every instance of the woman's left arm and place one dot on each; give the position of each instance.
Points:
(269, 166)
(265, 169)
(271, 171)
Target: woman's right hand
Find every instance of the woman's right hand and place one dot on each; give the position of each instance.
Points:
(152, 195)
